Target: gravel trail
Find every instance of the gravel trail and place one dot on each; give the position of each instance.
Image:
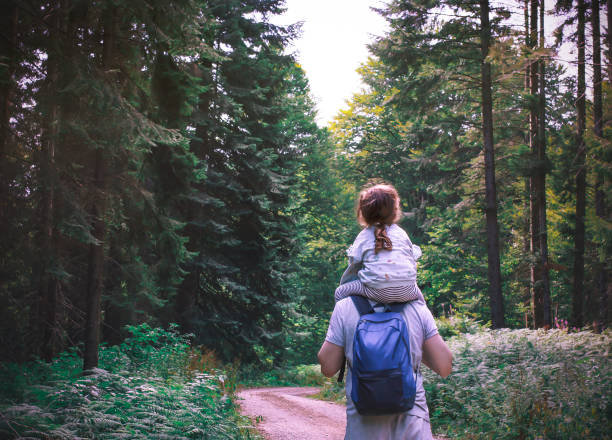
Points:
(287, 413)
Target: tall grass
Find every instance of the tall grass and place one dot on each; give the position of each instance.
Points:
(518, 384)
(506, 384)
(151, 386)
(525, 384)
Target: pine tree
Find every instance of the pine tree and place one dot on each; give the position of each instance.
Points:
(609, 38)
(541, 308)
(8, 58)
(600, 293)
(579, 234)
(495, 293)
(452, 44)
(238, 221)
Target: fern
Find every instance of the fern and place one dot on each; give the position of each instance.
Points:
(144, 391)
(509, 384)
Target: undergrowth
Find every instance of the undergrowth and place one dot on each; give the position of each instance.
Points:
(296, 376)
(287, 376)
(506, 384)
(455, 325)
(524, 384)
(514, 384)
(153, 385)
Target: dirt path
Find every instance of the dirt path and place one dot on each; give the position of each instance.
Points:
(287, 414)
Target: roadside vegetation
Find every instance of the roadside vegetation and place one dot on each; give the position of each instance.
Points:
(524, 384)
(153, 385)
(508, 384)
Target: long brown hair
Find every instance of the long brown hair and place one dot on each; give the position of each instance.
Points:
(379, 206)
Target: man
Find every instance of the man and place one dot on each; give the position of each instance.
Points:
(427, 347)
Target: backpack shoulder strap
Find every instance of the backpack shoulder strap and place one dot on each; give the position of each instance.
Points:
(397, 307)
(362, 304)
(363, 307)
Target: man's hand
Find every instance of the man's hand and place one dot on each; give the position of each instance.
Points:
(330, 357)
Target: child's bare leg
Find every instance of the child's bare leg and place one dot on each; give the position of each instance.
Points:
(347, 289)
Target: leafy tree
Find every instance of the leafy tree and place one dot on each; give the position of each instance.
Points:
(417, 126)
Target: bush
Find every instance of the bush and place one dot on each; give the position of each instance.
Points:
(150, 350)
(455, 325)
(146, 388)
(524, 384)
(296, 375)
(332, 391)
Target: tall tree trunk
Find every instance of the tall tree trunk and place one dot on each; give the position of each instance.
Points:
(48, 283)
(609, 38)
(579, 233)
(95, 275)
(8, 21)
(542, 240)
(186, 298)
(539, 272)
(495, 293)
(533, 129)
(601, 276)
(527, 207)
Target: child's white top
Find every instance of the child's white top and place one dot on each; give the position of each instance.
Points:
(387, 268)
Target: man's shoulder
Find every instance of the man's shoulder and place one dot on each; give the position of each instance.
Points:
(419, 306)
(344, 303)
(421, 313)
(346, 310)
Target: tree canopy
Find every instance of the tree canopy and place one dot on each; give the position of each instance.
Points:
(161, 163)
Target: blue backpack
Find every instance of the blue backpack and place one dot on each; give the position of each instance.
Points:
(383, 380)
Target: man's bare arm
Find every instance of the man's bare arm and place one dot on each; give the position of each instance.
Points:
(330, 357)
(437, 355)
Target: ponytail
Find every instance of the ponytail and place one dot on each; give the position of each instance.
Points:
(383, 242)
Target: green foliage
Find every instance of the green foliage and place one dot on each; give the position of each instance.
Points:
(204, 125)
(505, 384)
(526, 384)
(455, 325)
(332, 391)
(156, 351)
(417, 124)
(145, 389)
(296, 375)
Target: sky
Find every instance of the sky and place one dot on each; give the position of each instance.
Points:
(334, 39)
(333, 44)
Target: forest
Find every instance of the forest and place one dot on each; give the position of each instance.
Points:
(171, 209)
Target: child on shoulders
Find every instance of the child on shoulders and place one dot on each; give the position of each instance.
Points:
(382, 259)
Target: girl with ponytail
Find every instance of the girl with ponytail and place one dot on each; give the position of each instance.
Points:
(382, 260)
